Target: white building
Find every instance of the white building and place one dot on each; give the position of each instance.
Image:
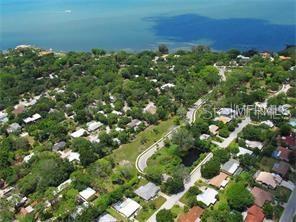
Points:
(128, 207)
(87, 194)
(35, 117)
(208, 197)
(91, 126)
(78, 133)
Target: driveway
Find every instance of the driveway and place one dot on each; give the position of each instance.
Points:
(290, 209)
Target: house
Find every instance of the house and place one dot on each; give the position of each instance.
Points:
(58, 146)
(213, 129)
(18, 109)
(150, 108)
(243, 151)
(147, 191)
(87, 194)
(193, 215)
(26, 210)
(244, 58)
(254, 144)
(6, 192)
(255, 214)
(204, 137)
(220, 180)
(128, 207)
(230, 166)
(284, 58)
(106, 218)
(208, 197)
(117, 113)
(134, 123)
(290, 141)
(223, 119)
(283, 153)
(3, 117)
(28, 157)
(93, 138)
(261, 196)
(70, 155)
(281, 168)
(292, 122)
(63, 185)
(35, 117)
(13, 128)
(93, 125)
(78, 133)
(167, 86)
(226, 112)
(269, 179)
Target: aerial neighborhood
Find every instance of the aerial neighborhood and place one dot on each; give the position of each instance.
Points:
(186, 136)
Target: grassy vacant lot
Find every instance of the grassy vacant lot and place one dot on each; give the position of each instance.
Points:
(266, 164)
(149, 208)
(142, 141)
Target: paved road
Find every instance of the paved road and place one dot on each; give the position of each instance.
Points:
(232, 136)
(141, 161)
(174, 199)
(290, 209)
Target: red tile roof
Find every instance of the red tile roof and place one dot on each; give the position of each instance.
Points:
(192, 215)
(217, 180)
(284, 153)
(261, 196)
(255, 214)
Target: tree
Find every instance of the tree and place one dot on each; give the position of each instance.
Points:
(163, 49)
(268, 210)
(184, 139)
(238, 197)
(222, 155)
(247, 161)
(173, 185)
(164, 216)
(210, 168)
(153, 173)
(285, 130)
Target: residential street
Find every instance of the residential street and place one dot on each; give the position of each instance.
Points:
(232, 136)
(290, 209)
(174, 199)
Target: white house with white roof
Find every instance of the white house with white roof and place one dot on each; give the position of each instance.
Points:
(87, 194)
(243, 151)
(33, 118)
(128, 207)
(208, 197)
(93, 125)
(78, 133)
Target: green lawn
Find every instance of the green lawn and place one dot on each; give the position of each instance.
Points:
(149, 208)
(177, 210)
(117, 215)
(266, 164)
(131, 150)
(282, 193)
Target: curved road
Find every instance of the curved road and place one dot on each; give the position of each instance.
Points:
(141, 161)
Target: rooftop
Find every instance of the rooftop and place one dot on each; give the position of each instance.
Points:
(269, 179)
(208, 197)
(243, 151)
(281, 168)
(147, 191)
(192, 215)
(255, 214)
(219, 180)
(87, 194)
(128, 207)
(230, 166)
(260, 196)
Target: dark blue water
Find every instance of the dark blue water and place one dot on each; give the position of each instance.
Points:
(143, 24)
